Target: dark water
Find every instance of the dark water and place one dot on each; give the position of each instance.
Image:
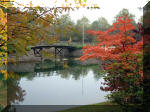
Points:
(55, 83)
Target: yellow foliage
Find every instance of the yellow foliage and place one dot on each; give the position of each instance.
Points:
(66, 66)
(31, 5)
(3, 35)
(70, 40)
(5, 74)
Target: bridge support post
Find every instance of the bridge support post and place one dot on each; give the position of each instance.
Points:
(55, 52)
(38, 52)
(58, 51)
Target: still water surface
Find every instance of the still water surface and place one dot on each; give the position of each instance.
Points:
(64, 83)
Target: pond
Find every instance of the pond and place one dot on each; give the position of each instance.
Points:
(66, 82)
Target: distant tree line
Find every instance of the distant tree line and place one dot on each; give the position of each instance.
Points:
(67, 30)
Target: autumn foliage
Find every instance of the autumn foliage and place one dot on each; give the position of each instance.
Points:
(122, 59)
(114, 42)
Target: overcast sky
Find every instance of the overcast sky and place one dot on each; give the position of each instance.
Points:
(108, 8)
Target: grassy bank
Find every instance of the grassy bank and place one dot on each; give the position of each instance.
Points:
(99, 107)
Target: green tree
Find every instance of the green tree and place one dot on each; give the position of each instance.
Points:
(100, 24)
(124, 12)
(65, 27)
(82, 24)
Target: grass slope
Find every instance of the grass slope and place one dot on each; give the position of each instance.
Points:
(100, 107)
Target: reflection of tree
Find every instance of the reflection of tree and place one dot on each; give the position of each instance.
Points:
(3, 94)
(64, 69)
(73, 70)
(97, 72)
(10, 92)
(64, 73)
(15, 93)
(79, 71)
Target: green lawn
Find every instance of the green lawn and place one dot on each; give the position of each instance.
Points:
(100, 107)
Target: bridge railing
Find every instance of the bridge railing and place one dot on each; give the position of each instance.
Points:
(65, 43)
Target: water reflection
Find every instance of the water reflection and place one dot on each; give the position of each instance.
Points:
(10, 92)
(55, 83)
(15, 92)
(66, 69)
(3, 94)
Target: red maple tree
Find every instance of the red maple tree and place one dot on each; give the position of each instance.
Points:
(114, 42)
(125, 72)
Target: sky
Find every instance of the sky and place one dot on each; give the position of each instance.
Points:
(108, 8)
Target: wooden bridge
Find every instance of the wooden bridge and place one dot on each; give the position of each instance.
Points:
(70, 46)
(58, 49)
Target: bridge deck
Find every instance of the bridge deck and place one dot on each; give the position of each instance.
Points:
(50, 46)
